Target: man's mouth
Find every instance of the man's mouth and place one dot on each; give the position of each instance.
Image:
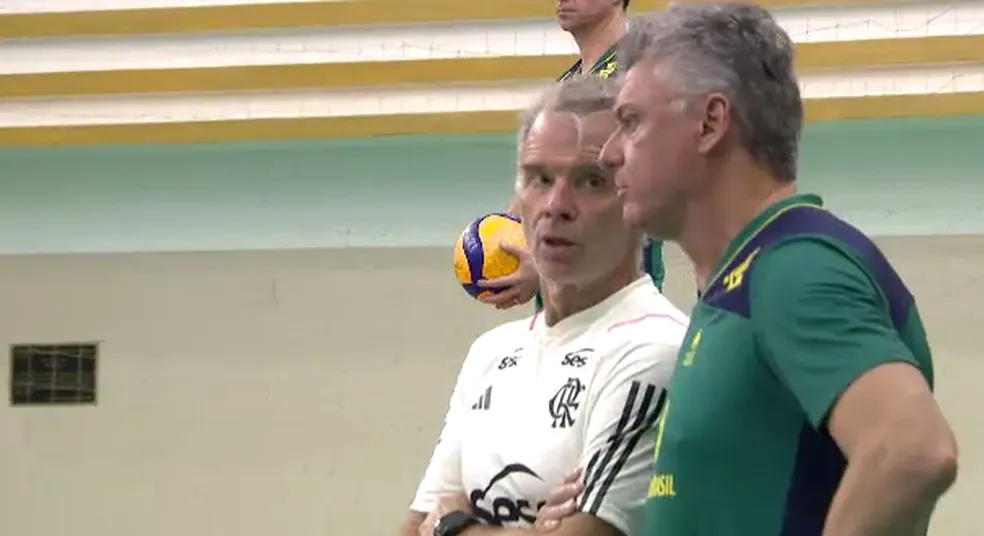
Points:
(556, 242)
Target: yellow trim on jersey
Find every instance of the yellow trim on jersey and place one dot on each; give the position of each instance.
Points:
(741, 248)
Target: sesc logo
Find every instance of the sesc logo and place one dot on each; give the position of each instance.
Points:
(511, 360)
(498, 511)
(577, 358)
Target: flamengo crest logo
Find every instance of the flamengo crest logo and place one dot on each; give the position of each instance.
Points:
(565, 402)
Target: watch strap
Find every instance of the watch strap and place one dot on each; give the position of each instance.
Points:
(454, 523)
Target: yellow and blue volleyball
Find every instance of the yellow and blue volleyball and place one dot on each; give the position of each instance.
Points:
(477, 254)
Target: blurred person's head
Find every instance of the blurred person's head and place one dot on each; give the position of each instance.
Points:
(577, 16)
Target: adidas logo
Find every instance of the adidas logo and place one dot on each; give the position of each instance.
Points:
(484, 401)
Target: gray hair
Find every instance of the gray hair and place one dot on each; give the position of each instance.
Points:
(740, 51)
(580, 95)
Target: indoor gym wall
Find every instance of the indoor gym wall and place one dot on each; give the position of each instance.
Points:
(898, 176)
(257, 392)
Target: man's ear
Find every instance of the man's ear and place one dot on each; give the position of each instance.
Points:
(715, 119)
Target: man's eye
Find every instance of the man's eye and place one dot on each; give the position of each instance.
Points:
(539, 179)
(594, 180)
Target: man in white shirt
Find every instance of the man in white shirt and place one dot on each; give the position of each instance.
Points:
(579, 384)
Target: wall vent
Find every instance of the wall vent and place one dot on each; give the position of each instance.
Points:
(53, 374)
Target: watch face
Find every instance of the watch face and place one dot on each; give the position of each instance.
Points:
(453, 523)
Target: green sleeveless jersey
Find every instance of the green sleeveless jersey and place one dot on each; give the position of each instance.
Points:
(801, 305)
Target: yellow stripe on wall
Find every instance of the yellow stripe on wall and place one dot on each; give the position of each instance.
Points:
(481, 122)
(843, 55)
(305, 14)
(279, 77)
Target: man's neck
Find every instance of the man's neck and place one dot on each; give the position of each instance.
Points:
(563, 301)
(595, 40)
(713, 222)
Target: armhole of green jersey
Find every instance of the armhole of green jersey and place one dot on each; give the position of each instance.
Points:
(654, 263)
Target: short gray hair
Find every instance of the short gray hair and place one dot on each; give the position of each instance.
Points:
(580, 95)
(739, 50)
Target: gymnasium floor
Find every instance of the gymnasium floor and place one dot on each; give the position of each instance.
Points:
(251, 393)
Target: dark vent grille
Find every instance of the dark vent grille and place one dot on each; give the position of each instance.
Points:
(53, 374)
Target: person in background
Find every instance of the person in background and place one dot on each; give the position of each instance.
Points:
(580, 382)
(597, 26)
(802, 401)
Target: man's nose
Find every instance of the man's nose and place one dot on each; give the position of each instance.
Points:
(561, 201)
(611, 155)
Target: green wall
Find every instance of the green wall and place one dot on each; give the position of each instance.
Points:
(904, 176)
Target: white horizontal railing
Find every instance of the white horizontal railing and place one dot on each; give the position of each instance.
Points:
(49, 6)
(507, 38)
(230, 106)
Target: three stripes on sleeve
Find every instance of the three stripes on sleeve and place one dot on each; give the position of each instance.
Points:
(642, 408)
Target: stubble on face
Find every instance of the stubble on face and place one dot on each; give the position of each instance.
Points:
(654, 137)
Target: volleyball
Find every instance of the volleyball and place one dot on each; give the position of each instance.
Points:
(477, 254)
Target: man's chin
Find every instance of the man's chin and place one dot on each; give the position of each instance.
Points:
(559, 272)
(566, 24)
(651, 222)
(633, 217)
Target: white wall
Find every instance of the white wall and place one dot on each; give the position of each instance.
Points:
(255, 394)
(239, 394)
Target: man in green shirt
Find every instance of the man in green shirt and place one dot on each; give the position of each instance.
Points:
(801, 403)
(596, 26)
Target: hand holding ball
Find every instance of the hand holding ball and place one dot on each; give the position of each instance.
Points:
(478, 254)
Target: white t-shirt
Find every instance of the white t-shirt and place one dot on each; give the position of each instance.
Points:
(532, 403)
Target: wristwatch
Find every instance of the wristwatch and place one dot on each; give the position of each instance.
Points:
(454, 523)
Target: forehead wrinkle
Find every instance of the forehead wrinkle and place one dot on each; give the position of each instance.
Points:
(546, 131)
(551, 127)
(574, 118)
